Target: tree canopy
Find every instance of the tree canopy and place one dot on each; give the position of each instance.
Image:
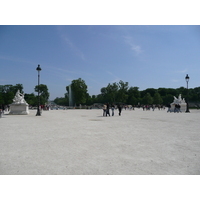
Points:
(79, 89)
(7, 93)
(121, 92)
(115, 92)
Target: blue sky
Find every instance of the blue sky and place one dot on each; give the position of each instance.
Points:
(144, 56)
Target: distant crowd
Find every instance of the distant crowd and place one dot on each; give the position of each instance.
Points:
(107, 107)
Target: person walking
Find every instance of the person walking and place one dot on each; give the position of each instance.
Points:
(108, 110)
(104, 110)
(113, 108)
(179, 108)
(1, 113)
(120, 109)
(169, 107)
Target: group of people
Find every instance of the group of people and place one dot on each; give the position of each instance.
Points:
(106, 109)
(148, 107)
(177, 108)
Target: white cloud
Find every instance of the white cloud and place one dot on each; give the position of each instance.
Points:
(116, 79)
(182, 71)
(175, 81)
(136, 48)
(73, 46)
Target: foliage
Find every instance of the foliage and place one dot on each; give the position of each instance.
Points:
(113, 93)
(79, 89)
(147, 99)
(7, 93)
(121, 92)
(31, 99)
(133, 96)
(63, 101)
(157, 99)
(43, 92)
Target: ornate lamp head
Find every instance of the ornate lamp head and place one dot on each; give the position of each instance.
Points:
(187, 78)
(38, 68)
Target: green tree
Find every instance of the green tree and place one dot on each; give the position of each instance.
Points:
(31, 99)
(62, 101)
(79, 89)
(1, 99)
(151, 91)
(133, 96)
(43, 92)
(122, 94)
(112, 90)
(147, 99)
(8, 92)
(157, 99)
(168, 99)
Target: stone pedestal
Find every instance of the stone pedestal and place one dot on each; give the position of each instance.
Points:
(19, 109)
(19, 105)
(182, 109)
(180, 102)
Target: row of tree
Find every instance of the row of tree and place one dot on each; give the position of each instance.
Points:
(122, 93)
(114, 93)
(7, 93)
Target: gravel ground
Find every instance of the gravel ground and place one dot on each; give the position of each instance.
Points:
(83, 142)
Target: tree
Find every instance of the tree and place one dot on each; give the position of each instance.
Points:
(62, 101)
(168, 99)
(157, 99)
(8, 92)
(79, 89)
(122, 94)
(43, 92)
(111, 91)
(147, 99)
(31, 99)
(151, 91)
(133, 96)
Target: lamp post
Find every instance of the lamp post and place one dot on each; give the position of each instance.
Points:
(38, 107)
(187, 104)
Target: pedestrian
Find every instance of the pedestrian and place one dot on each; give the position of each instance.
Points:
(175, 108)
(1, 113)
(104, 110)
(169, 107)
(108, 110)
(113, 108)
(120, 109)
(179, 108)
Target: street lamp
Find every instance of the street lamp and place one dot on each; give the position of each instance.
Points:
(187, 104)
(38, 107)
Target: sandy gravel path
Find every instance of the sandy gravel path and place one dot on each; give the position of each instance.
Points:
(84, 142)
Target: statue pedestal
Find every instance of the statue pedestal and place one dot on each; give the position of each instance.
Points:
(19, 109)
(182, 109)
(180, 102)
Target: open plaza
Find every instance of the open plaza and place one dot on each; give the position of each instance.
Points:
(83, 142)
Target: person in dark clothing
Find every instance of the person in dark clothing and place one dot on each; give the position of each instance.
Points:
(169, 107)
(120, 109)
(108, 110)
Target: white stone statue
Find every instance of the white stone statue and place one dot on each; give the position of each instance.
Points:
(179, 98)
(19, 105)
(19, 98)
(179, 101)
(175, 100)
